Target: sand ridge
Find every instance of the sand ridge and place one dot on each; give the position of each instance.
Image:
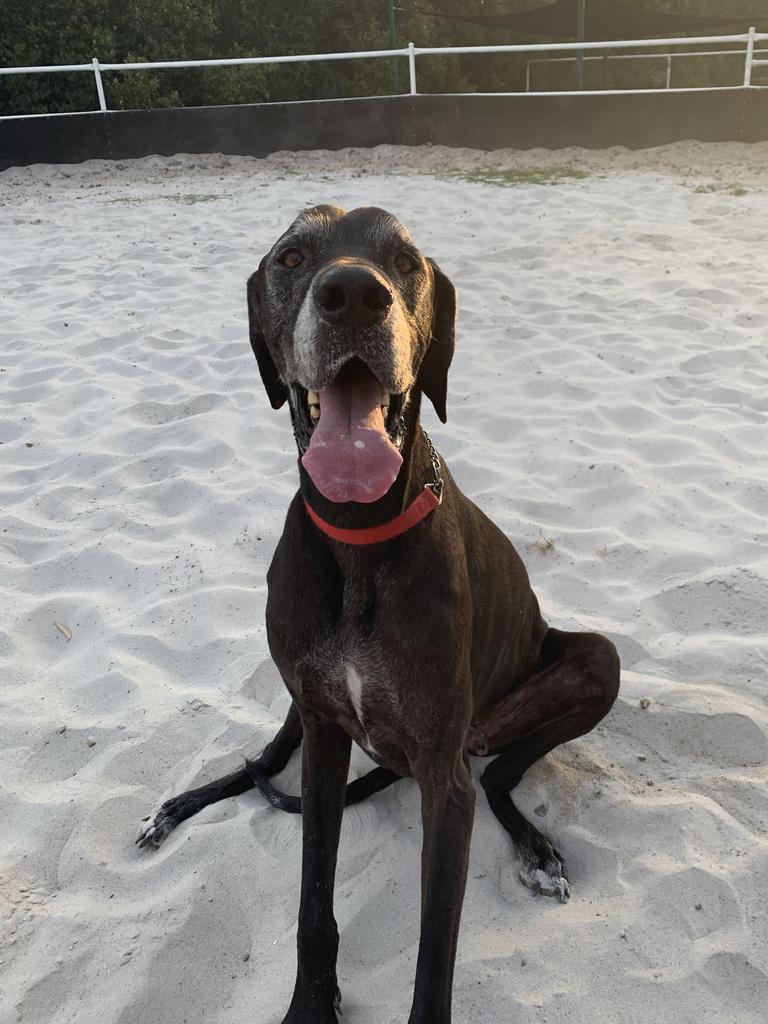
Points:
(607, 408)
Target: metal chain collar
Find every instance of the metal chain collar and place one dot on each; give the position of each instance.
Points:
(434, 458)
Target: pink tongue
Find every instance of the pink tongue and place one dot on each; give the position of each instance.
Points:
(350, 457)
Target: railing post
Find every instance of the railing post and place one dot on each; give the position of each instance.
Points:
(393, 44)
(527, 76)
(669, 70)
(580, 28)
(412, 67)
(99, 84)
(750, 58)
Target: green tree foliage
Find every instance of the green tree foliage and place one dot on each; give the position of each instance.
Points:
(42, 32)
(117, 31)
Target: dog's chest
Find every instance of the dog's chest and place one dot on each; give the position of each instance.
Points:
(351, 680)
(338, 653)
(361, 686)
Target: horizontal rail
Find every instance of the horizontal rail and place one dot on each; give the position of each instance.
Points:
(418, 51)
(229, 61)
(606, 92)
(644, 56)
(55, 113)
(522, 95)
(614, 44)
(77, 113)
(40, 68)
(146, 65)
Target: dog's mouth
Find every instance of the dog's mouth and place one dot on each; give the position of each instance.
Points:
(350, 434)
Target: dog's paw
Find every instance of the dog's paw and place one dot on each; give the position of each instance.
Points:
(159, 824)
(544, 872)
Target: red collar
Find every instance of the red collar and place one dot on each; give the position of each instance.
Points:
(419, 509)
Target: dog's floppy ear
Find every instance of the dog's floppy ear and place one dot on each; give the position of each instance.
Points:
(433, 373)
(276, 389)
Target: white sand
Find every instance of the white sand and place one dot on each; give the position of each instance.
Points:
(609, 393)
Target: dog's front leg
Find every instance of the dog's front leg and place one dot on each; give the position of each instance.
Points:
(325, 766)
(447, 807)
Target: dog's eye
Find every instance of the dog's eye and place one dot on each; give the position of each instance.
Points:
(405, 263)
(291, 258)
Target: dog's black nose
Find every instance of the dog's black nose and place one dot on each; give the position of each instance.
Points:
(351, 293)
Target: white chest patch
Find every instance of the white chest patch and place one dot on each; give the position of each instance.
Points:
(355, 690)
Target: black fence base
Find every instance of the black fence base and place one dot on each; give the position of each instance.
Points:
(634, 120)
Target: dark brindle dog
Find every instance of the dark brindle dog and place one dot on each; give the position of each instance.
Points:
(398, 615)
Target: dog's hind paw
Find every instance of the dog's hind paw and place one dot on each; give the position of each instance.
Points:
(546, 874)
(160, 823)
(540, 881)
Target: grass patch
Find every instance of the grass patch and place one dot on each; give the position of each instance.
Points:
(188, 198)
(730, 190)
(195, 197)
(521, 176)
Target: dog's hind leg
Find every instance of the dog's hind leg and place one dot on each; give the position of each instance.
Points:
(359, 789)
(575, 687)
(172, 812)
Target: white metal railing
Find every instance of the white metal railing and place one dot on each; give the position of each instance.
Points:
(668, 57)
(411, 52)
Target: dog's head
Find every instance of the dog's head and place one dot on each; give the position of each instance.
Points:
(348, 319)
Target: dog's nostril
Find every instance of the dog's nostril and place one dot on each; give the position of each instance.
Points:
(331, 298)
(377, 299)
(354, 296)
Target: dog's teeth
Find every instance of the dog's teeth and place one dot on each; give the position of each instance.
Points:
(385, 410)
(313, 401)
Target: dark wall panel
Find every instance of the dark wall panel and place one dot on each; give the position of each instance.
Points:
(484, 122)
